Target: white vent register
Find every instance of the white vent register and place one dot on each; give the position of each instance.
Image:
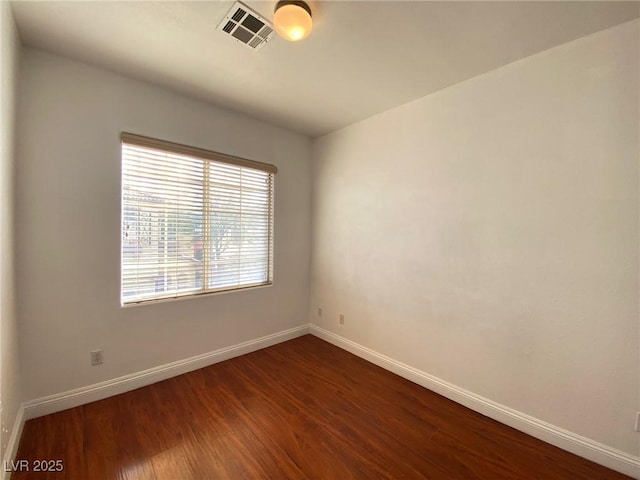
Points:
(246, 26)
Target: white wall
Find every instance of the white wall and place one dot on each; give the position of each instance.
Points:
(488, 235)
(68, 229)
(10, 389)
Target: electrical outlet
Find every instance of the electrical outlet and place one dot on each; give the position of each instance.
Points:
(97, 357)
(319, 311)
(341, 319)
(637, 421)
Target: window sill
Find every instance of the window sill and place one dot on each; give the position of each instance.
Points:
(193, 295)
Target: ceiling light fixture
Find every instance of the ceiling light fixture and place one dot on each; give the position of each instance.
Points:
(292, 20)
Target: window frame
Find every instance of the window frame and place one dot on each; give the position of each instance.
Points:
(205, 156)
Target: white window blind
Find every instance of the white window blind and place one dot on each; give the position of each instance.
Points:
(193, 221)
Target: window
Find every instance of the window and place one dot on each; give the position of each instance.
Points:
(193, 221)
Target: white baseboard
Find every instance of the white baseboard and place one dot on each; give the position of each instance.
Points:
(91, 393)
(14, 441)
(596, 452)
(572, 442)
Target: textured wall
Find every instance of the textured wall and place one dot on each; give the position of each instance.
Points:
(488, 235)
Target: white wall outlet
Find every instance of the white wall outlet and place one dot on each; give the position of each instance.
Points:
(97, 357)
(341, 319)
(637, 421)
(319, 311)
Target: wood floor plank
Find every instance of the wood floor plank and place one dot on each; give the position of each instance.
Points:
(250, 445)
(382, 453)
(208, 451)
(50, 439)
(318, 453)
(300, 410)
(100, 444)
(519, 453)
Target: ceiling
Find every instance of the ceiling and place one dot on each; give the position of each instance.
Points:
(363, 57)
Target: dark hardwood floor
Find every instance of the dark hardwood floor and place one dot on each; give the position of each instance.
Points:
(303, 409)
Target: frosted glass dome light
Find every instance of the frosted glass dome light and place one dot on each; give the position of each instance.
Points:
(292, 20)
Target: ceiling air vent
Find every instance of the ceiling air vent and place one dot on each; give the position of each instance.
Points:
(246, 26)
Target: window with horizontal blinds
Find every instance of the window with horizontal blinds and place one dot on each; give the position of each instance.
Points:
(193, 221)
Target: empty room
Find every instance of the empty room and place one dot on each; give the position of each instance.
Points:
(320, 240)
